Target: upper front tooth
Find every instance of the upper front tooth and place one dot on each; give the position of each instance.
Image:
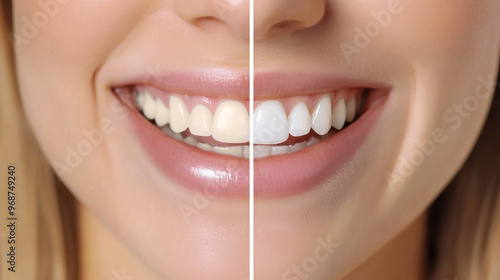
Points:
(351, 110)
(339, 114)
(322, 116)
(299, 120)
(271, 124)
(179, 115)
(149, 107)
(201, 121)
(231, 123)
(162, 113)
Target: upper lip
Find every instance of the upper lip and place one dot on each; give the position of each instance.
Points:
(223, 83)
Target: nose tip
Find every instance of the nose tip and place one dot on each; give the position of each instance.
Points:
(280, 17)
(233, 13)
(271, 17)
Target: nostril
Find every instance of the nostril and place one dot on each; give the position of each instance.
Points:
(286, 26)
(206, 21)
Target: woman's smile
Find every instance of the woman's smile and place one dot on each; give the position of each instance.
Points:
(198, 133)
(280, 139)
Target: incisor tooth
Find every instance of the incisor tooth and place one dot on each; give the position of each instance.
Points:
(149, 107)
(271, 124)
(299, 120)
(261, 151)
(297, 147)
(231, 123)
(201, 120)
(236, 151)
(279, 150)
(190, 141)
(204, 146)
(162, 114)
(322, 116)
(339, 114)
(351, 110)
(246, 151)
(179, 115)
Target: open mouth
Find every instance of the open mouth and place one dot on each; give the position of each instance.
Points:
(222, 126)
(202, 141)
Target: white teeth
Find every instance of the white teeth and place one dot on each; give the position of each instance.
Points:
(201, 121)
(279, 150)
(231, 123)
(299, 120)
(261, 151)
(246, 151)
(179, 115)
(190, 141)
(339, 114)
(297, 147)
(312, 141)
(204, 146)
(322, 116)
(236, 151)
(149, 107)
(351, 110)
(177, 136)
(271, 124)
(162, 115)
(139, 99)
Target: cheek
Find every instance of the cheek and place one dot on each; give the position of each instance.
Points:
(454, 53)
(60, 46)
(444, 30)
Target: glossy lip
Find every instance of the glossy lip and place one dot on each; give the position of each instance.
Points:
(225, 176)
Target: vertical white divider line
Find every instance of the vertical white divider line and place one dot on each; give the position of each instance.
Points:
(251, 166)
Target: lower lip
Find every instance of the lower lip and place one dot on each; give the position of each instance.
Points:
(276, 176)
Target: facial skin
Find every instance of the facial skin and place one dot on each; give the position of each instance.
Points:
(433, 55)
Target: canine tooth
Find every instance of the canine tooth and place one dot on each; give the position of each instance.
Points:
(261, 151)
(246, 151)
(231, 123)
(271, 124)
(339, 114)
(204, 146)
(351, 110)
(190, 141)
(322, 116)
(149, 107)
(312, 141)
(200, 122)
(297, 147)
(299, 120)
(279, 150)
(162, 115)
(179, 115)
(139, 98)
(236, 151)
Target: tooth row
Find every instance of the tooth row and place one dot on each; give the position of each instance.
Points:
(242, 151)
(230, 123)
